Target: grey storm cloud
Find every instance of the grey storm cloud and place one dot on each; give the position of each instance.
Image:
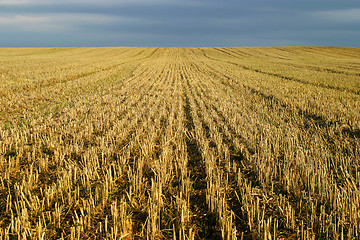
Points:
(178, 23)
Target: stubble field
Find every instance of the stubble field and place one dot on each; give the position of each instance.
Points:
(191, 143)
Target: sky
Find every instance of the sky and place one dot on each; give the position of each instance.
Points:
(179, 23)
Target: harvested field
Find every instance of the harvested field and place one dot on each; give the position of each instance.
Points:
(180, 143)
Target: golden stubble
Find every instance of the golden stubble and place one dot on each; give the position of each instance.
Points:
(192, 143)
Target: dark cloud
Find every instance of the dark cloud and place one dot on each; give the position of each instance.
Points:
(180, 23)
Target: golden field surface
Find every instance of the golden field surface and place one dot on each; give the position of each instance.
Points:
(180, 143)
